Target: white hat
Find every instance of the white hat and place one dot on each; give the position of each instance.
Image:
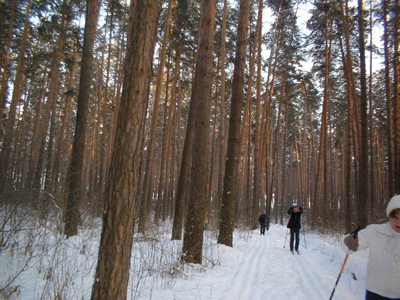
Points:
(394, 203)
(294, 204)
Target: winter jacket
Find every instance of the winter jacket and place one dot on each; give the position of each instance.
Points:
(294, 220)
(383, 268)
(262, 219)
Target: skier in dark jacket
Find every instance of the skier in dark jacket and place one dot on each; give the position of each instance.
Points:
(263, 219)
(294, 225)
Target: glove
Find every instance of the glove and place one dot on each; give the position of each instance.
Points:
(351, 243)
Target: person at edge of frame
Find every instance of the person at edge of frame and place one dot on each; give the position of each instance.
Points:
(383, 241)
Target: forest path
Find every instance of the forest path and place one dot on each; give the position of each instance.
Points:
(269, 271)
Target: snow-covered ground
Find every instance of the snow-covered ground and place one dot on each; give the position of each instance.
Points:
(257, 267)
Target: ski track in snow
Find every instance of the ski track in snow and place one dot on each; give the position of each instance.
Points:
(308, 276)
(246, 275)
(259, 275)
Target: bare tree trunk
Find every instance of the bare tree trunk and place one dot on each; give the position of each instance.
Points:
(105, 141)
(33, 158)
(201, 93)
(164, 156)
(51, 109)
(17, 92)
(169, 133)
(257, 132)
(112, 272)
(363, 203)
(75, 171)
(146, 197)
(63, 132)
(184, 174)
(233, 154)
(321, 172)
(214, 163)
(222, 130)
(388, 84)
(396, 96)
(371, 123)
(4, 75)
(348, 172)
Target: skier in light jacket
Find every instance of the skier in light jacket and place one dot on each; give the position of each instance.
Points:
(383, 240)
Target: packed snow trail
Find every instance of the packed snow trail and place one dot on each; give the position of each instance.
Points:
(269, 271)
(260, 268)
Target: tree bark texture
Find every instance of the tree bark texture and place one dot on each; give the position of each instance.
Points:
(229, 196)
(201, 94)
(112, 272)
(75, 171)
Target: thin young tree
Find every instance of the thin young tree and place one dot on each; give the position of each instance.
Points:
(390, 147)
(363, 200)
(257, 142)
(321, 172)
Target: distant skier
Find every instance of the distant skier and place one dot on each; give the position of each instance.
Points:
(383, 241)
(263, 219)
(294, 225)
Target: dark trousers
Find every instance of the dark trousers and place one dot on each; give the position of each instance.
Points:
(262, 228)
(294, 232)
(372, 296)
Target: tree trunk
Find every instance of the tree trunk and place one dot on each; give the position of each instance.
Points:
(63, 132)
(371, 123)
(163, 156)
(363, 200)
(201, 94)
(17, 92)
(233, 153)
(222, 130)
(112, 272)
(105, 141)
(51, 109)
(396, 98)
(320, 180)
(75, 171)
(390, 147)
(146, 197)
(33, 156)
(257, 135)
(4, 75)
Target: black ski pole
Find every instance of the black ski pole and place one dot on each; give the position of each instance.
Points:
(354, 234)
(286, 237)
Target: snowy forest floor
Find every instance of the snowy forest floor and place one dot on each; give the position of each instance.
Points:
(38, 263)
(259, 267)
